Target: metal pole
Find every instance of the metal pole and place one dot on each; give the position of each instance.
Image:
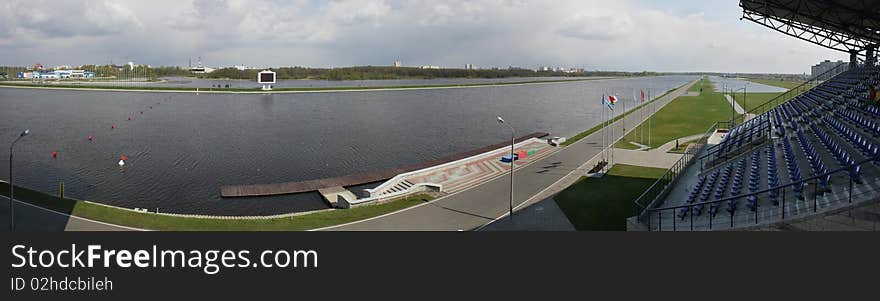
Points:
(783, 204)
(11, 185)
(11, 190)
(850, 188)
(512, 166)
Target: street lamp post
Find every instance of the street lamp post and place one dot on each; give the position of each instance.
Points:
(512, 166)
(11, 186)
(745, 112)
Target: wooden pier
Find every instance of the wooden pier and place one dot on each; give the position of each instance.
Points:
(352, 180)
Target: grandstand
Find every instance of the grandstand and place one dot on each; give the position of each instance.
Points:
(809, 153)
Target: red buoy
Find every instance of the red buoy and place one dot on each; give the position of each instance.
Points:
(90, 137)
(54, 154)
(129, 117)
(113, 126)
(123, 158)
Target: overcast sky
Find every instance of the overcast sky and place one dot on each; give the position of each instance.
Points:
(631, 35)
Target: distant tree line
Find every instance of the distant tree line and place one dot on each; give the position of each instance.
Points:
(379, 72)
(345, 73)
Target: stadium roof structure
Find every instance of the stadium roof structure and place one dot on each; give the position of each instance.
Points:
(845, 25)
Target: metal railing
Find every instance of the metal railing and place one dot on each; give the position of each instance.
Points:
(713, 152)
(660, 188)
(667, 218)
(791, 93)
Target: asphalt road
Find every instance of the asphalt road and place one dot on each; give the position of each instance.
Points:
(475, 207)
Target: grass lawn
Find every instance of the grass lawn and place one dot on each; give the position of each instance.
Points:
(776, 82)
(682, 146)
(594, 129)
(164, 222)
(596, 204)
(753, 100)
(684, 116)
(697, 87)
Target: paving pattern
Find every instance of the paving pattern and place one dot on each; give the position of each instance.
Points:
(466, 173)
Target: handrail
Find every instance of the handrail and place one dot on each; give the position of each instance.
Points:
(818, 78)
(671, 173)
(802, 181)
(785, 96)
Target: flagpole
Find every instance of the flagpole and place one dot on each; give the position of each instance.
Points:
(602, 108)
(605, 128)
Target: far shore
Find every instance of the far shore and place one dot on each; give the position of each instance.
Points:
(284, 90)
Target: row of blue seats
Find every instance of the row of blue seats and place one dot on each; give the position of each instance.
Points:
(706, 192)
(692, 197)
(863, 144)
(851, 136)
(815, 160)
(754, 181)
(843, 158)
(720, 188)
(772, 173)
(794, 171)
(867, 124)
(736, 187)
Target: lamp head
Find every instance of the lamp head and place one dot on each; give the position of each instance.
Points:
(500, 120)
(25, 133)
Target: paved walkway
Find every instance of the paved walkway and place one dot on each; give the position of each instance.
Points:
(736, 107)
(658, 157)
(484, 203)
(465, 173)
(542, 216)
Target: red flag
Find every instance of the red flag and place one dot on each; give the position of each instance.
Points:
(643, 95)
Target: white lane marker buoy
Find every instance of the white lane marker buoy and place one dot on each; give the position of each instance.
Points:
(121, 162)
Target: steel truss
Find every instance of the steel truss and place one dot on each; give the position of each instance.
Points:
(851, 31)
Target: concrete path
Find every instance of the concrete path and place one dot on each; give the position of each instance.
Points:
(487, 202)
(542, 216)
(738, 108)
(653, 158)
(658, 157)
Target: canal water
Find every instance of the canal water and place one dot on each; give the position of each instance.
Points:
(182, 147)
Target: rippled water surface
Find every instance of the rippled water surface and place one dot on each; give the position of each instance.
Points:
(183, 147)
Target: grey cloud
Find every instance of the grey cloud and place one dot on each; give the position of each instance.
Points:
(63, 19)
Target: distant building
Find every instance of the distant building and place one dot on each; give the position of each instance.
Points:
(429, 67)
(38, 66)
(397, 64)
(469, 66)
(824, 66)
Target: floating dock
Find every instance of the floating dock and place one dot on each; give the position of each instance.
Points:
(352, 180)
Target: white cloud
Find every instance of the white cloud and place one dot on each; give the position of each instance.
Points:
(619, 35)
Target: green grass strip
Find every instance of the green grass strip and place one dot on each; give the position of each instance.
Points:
(603, 204)
(594, 129)
(165, 222)
(684, 116)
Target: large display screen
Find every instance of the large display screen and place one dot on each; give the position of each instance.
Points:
(267, 77)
